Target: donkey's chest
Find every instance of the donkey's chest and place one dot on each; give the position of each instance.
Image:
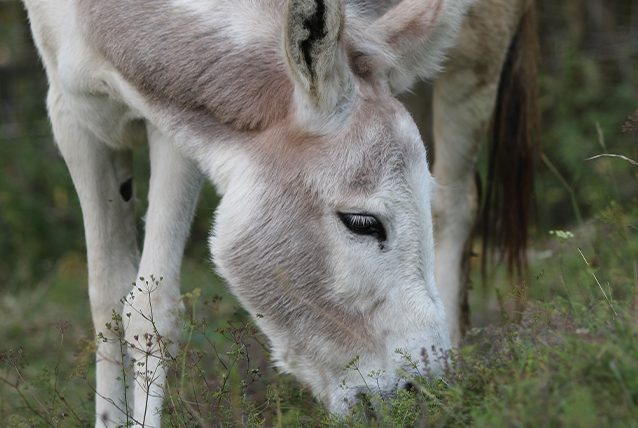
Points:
(111, 120)
(102, 101)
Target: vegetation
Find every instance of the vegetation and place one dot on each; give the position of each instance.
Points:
(571, 360)
(559, 348)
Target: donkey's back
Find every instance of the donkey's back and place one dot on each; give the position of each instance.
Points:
(111, 55)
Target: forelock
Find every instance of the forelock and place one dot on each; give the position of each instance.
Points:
(379, 145)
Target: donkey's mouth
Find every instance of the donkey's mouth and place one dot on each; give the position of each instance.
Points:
(369, 404)
(409, 387)
(366, 405)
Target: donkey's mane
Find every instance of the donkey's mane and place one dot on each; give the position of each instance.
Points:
(200, 63)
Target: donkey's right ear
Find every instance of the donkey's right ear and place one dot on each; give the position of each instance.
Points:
(314, 51)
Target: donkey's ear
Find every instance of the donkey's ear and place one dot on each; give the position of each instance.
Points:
(313, 49)
(416, 35)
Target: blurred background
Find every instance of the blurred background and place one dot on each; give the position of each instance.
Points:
(588, 86)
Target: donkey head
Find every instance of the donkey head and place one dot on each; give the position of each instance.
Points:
(325, 230)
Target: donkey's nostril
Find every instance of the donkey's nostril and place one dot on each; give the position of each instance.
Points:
(410, 387)
(366, 405)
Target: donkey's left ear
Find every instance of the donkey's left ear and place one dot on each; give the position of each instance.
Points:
(315, 56)
(413, 38)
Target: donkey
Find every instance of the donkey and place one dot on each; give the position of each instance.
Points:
(325, 224)
(488, 79)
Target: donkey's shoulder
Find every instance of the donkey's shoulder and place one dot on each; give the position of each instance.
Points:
(219, 57)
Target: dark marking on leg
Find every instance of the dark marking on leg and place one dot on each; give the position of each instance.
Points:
(126, 190)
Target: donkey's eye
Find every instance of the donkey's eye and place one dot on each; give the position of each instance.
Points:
(363, 224)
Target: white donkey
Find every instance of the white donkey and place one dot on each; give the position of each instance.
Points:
(325, 224)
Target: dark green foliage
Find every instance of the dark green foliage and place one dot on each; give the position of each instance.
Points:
(588, 86)
(39, 213)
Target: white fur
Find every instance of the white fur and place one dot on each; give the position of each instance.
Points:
(433, 51)
(97, 118)
(246, 21)
(401, 280)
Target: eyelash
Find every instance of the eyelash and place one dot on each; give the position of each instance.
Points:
(364, 224)
(360, 221)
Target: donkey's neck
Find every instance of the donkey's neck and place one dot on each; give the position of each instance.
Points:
(220, 58)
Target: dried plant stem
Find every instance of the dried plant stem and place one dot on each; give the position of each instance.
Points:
(599, 286)
(601, 142)
(610, 155)
(16, 386)
(31, 392)
(56, 370)
(565, 184)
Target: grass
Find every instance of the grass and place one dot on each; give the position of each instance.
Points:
(559, 349)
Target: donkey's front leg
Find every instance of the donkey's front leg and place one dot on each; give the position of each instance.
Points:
(103, 178)
(154, 304)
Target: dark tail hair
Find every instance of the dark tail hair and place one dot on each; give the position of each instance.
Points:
(509, 193)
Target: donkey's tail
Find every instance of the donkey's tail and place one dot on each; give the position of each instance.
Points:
(509, 194)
